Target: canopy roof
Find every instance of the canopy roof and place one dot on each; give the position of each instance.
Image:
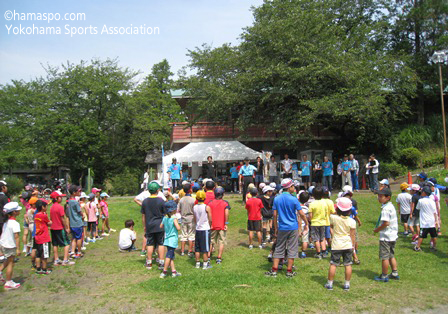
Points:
(220, 151)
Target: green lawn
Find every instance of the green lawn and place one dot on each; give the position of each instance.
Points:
(108, 281)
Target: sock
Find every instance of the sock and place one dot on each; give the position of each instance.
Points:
(330, 282)
(347, 282)
(395, 272)
(274, 269)
(39, 269)
(174, 272)
(384, 275)
(149, 261)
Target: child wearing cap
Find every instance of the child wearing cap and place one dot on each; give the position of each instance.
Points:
(414, 217)
(202, 219)
(171, 227)
(387, 226)
(75, 218)
(384, 184)
(104, 207)
(266, 212)
(127, 237)
(42, 238)
(91, 218)
(219, 210)
(404, 200)
(354, 215)
(253, 207)
(343, 241)
(428, 219)
(59, 229)
(10, 243)
(304, 197)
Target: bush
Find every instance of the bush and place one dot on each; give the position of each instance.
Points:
(392, 170)
(433, 159)
(125, 183)
(411, 157)
(15, 185)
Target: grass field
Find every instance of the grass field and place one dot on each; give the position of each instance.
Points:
(108, 281)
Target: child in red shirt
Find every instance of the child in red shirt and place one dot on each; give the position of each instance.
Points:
(254, 206)
(42, 238)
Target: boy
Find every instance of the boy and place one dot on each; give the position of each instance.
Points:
(153, 210)
(127, 237)
(328, 173)
(414, 217)
(209, 194)
(10, 243)
(303, 199)
(331, 211)
(202, 220)
(388, 230)
(219, 210)
(318, 212)
(266, 213)
(75, 217)
(185, 208)
(42, 239)
(428, 219)
(59, 229)
(171, 227)
(253, 207)
(346, 168)
(404, 200)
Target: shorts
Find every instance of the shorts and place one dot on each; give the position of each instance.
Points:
(170, 252)
(254, 225)
(91, 226)
(414, 221)
(424, 232)
(202, 243)
(306, 237)
(387, 250)
(85, 223)
(266, 219)
(188, 231)
(42, 250)
(327, 232)
(76, 233)
(287, 244)
(219, 237)
(317, 233)
(8, 252)
(30, 236)
(305, 179)
(59, 238)
(346, 257)
(404, 218)
(155, 239)
(104, 217)
(25, 225)
(259, 178)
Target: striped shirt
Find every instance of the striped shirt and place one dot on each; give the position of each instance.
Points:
(390, 233)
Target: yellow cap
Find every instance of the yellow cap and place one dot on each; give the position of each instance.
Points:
(404, 186)
(200, 196)
(33, 200)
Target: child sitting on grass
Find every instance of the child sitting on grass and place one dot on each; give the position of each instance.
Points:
(343, 241)
(171, 227)
(254, 206)
(10, 244)
(127, 237)
(42, 239)
(388, 236)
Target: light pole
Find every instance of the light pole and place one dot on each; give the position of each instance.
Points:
(440, 57)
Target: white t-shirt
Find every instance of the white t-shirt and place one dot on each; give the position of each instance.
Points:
(272, 169)
(305, 211)
(9, 228)
(200, 213)
(126, 237)
(404, 199)
(427, 208)
(287, 164)
(145, 194)
(390, 233)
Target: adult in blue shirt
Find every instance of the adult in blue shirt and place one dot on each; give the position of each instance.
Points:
(175, 172)
(286, 225)
(234, 177)
(305, 166)
(346, 175)
(327, 167)
(246, 176)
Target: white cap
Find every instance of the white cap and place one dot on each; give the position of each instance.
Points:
(11, 207)
(267, 188)
(347, 188)
(83, 195)
(273, 185)
(384, 181)
(262, 185)
(175, 196)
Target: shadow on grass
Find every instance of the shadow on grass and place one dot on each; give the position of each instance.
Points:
(365, 273)
(243, 231)
(322, 280)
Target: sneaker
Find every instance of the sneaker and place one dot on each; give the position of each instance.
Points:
(318, 255)
(161, 266)
(198, 265)
(328, 286)
(77, 256)
(414, 237)
(381, 278)
(357, 262)
(190, 254)
(68, 263)
(182, 254)
(302, 255)
(105, 234)
(113, 230)
(417, 249)
(86, 243)
(148, 265)
(290, 274)
(99, 238)
(271, 273)
(93, 241)
(207, 265)
(28, 254)
(10, 285)
(46, 272)
(324, 254)
(39, 272)
(414, 243)
(260, 247)
(57, 262)
(311, 246)
(397, 277)
(218, 261)
(346, 288)
(162, 275)
(83, 248)
(270, 258)
(143, 253)
(251, 247)
(176, 274)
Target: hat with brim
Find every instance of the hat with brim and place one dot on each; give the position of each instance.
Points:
(170, 206)
(385, 191)
(344, 204)
(267, 188)
(414, 187)
(287, 183)
(104, 194)
(153, 187)
(11, 207)
(384, 181)
(96, 190)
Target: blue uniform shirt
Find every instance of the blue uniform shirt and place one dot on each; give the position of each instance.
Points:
(287, 207)
(247, 170)
(328, 168)
(175, 171)
(233, 173)
(305, 166)
(346, 165)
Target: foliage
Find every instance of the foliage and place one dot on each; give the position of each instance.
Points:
(440, 175)
(411, 157)
(432, 158)
(392, 169)
(15, 185)
(124, 183)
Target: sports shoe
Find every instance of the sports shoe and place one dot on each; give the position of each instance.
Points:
(182, 254)
(39, 272)
(86, 243)
(105, 234)
(311, 246)
(162, 275)
(251, 247)
(57, 262)
(318, 255)
(391, 276)
(218, 261)
(271, 273)
(113, 230)
(290, 274)
(417, 249)
(68, 263)
(148, 265)
(328, 286)
(93, 241)
(207, 265)
(346, 288)
(99, 238)
(414, 237)
(83, 248)
(10, 285)
(198, 265)
(302, 255)
(190, 254)
(381, 278)
(260, 247)
(143, 253)
(270, 258)
(176, 274)
(324, 254)
(357, 262)
(46, 272)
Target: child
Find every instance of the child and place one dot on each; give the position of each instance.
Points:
(42, 239)
(10, 244)
(343, 241)
(185, 206)
(404, 200)
(219, 210)
(104, 208)
(414, 218)
(25, 197)
(354, 215)
(249, 187)
(267, 212)
(59, 229)
(202, 219)
(91, 218)
(171, 227)
(75, 218)
(82, 203)
(388, 236)
(127, 237)
(428, 219)
(30, 218)
(254, 206)
(331, 211)
(303, 199)
(318, 212)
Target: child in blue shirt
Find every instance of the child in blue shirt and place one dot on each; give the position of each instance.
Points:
(327, 166)
(346, 174)
(171, 227)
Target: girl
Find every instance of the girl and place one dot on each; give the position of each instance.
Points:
(42, 238)
(104, 208)
(30, 217)
(25, 197)
(91, 218)
(171, 227)
(82, 203)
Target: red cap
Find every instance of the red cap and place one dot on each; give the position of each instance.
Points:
(56, 194)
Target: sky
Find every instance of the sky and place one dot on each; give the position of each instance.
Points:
(40, 32)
